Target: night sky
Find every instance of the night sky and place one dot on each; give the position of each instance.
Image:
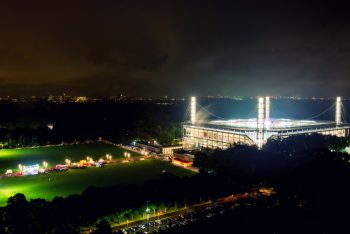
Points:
(175, 48)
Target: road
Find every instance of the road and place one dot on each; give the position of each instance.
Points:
(185, 216)
(160, 217)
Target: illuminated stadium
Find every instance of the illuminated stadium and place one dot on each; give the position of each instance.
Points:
(256, 131)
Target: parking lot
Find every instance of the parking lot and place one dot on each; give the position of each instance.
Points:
(190, 215)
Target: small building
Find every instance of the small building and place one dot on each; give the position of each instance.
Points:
(152, 146)
(149, 146)
(169, 150)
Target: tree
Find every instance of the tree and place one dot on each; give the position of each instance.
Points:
(18, 217)
(103, 228)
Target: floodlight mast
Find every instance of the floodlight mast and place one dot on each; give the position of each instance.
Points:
(338, 106)
(267, 112)
(260, 123)
(193, 110)
(267, 108)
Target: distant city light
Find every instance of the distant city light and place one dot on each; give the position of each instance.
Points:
(50, 126)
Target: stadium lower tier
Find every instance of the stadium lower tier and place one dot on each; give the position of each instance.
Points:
(213, 135)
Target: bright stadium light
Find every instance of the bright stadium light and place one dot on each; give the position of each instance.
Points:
(260, 122)
(338, 111)
(267, 112)
(267, 108)
(193, 110)
(261, 113)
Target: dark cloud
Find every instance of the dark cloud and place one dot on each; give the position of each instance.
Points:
(175, 47)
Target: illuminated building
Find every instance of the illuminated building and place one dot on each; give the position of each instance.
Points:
(81, 99)
(256, 131)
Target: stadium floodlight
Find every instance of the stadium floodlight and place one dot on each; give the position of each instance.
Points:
(261, 113)
(267, 112)
(267, 108)
(193, 110)
(260, 122)
(338, 111)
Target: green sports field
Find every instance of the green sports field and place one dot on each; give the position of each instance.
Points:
(76, 180)
(10, 158)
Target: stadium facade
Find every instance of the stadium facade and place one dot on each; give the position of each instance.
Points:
(255, 131)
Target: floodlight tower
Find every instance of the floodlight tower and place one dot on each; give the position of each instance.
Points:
(260, 123)
(267, 112)
(338, 105)
(193, 110)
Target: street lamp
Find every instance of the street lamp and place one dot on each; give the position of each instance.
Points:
(109, 157)
(68, 161)
(147, 212)
(45, 164)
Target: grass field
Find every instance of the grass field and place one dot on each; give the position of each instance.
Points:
(10, 158)
(76, 180)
